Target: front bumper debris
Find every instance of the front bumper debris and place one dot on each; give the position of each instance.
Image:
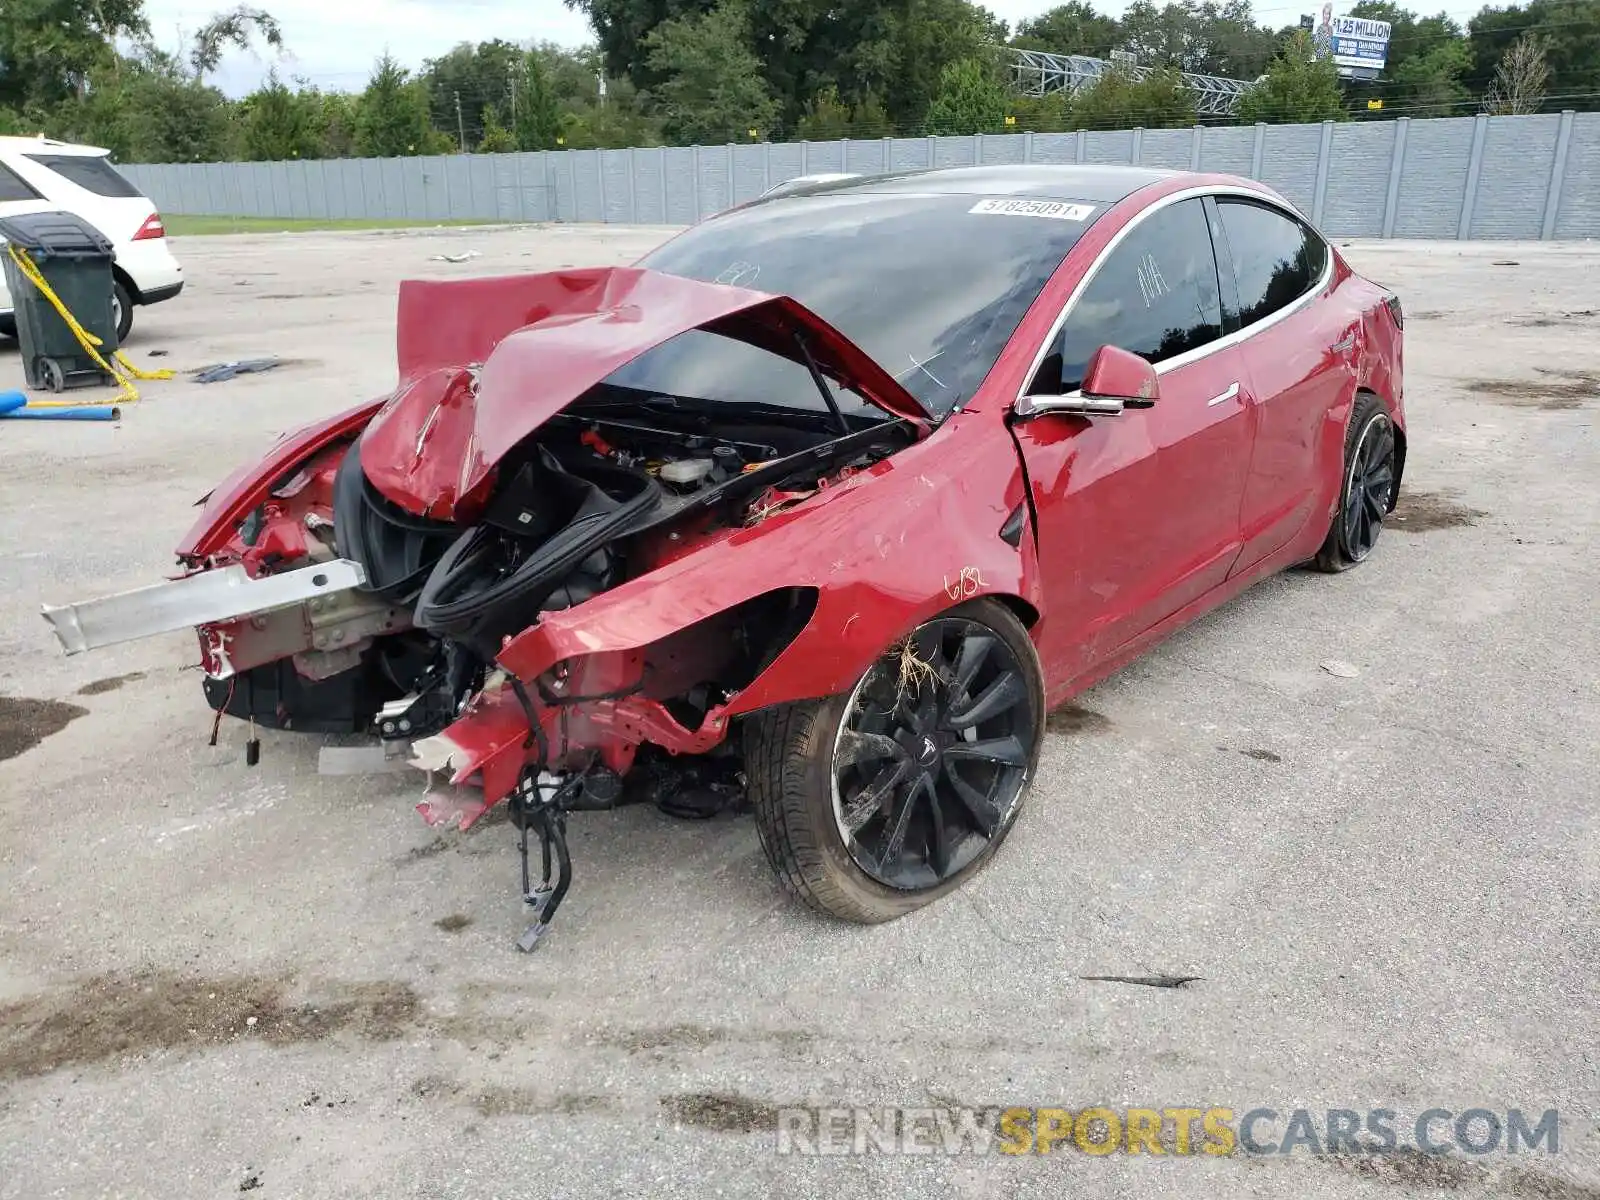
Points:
(204, 598)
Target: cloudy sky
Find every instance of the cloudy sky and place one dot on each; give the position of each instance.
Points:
(334, 42)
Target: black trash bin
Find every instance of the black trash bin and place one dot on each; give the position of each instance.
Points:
(75, 259)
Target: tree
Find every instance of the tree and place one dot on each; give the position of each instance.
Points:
(892, 50)
(150, 108)
(1297, 87)
(497, 139)
(1041, 114)
(1520, 80)
(1161, 37)
(1570, 30)
(231, 28)
(536, 116)
(1071, 28)
(971, 99)
(339, 122)
(1429, 84)
(713, 89)
(478, 76)
(924, 39)
(1117, 100)
(280, 124)
(49, 49)
(1227, 41)
(394, 114)
(828, 118)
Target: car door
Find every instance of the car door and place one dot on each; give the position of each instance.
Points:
(1298, 357)
(1138, 512)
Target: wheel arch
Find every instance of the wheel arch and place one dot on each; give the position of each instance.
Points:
(128, 285)
(1399, 436)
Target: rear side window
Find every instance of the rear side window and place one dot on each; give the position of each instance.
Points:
(13, 188)
(92, 174)
(1276, 259)
(1156, 295)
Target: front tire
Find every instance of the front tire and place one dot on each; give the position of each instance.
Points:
(879, 801)
(1367, 489)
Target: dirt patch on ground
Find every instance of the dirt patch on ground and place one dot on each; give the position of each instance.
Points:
(1072, 718)
(1529, 1184)
(1447, 1173)
(1266, 756)
(101, 686)
(1547, 322)
(1412, 1169)
(419, 853)
(669, 1037)
(1424, 512)
(1558, 391)
(454, 923)
(520, 1102)
(721, 1112)
(110, 1016)
(24, 723)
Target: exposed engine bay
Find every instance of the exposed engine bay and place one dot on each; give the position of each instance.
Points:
(582, 506)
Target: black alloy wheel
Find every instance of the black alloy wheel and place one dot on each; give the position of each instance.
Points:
(1369, 487)
(934, 753)
(1367, 491)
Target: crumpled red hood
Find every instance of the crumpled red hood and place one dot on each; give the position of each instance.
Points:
(485, 362)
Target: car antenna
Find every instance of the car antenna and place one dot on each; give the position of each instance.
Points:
(822, 384)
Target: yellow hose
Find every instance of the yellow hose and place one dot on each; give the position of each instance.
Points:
(87, 340)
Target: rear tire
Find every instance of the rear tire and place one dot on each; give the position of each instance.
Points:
(122, 312)
(1366, 490)
(858, 805)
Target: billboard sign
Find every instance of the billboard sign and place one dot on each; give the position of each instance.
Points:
(1357, 45)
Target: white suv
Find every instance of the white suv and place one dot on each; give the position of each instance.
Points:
(40, 175)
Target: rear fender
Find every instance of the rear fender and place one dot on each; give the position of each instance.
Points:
(249, 486)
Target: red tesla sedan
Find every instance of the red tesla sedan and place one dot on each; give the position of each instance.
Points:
(820, 507)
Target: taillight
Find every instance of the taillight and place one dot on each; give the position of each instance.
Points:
(152, 228)
(1395, 311)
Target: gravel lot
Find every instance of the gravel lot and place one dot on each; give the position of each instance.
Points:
(215, 979)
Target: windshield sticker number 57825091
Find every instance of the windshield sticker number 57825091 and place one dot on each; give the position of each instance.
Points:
(1055, 210)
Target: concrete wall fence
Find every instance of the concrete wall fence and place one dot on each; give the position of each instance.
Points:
(1534, 177)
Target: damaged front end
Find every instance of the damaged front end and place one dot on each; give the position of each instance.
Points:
(419, 568)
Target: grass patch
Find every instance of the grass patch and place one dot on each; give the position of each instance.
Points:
(180, 226)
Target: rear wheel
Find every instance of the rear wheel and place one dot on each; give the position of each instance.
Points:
(1366, 495)
(122, 312)
(877, 802)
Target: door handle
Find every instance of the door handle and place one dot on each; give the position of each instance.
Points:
(1233, 390)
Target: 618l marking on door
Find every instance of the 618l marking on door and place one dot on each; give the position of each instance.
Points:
(1055, 210)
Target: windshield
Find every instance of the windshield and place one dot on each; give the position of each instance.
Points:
(930, 286)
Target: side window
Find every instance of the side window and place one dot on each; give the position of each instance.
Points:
(90, 172)
(1156, 295)
(13, 188)
(1276, 259)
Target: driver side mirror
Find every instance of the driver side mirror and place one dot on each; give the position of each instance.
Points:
(1115, 380)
